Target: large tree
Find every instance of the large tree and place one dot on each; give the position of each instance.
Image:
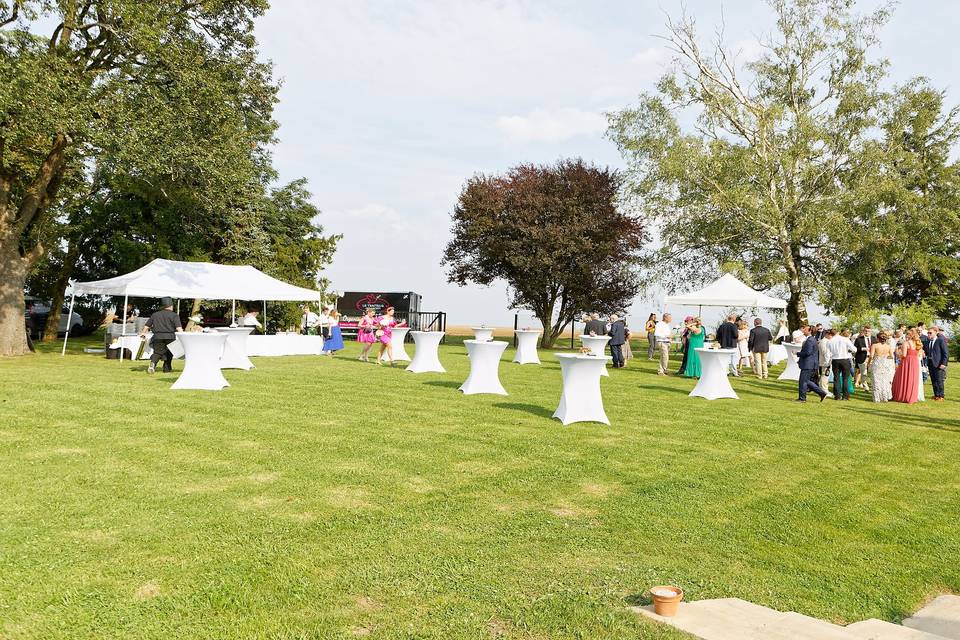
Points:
(555, 234)
(776, 154)
(158, 89)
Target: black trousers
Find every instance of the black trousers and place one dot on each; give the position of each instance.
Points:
(616, 350)
(841, 378)
(808, 382)
(936, 378)
(162, 352)
(683, 362)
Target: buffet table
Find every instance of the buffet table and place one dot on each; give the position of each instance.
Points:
(284, 344)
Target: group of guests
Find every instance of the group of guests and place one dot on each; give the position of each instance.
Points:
(897, 362)
(616, 328)
(751, 346)
(326, 324)
(373, 329)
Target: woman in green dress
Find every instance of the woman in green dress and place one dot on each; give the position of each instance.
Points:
(697, 336)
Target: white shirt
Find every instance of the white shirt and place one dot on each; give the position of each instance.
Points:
(840, 348)
(663, 331)
(309, 320)
(250, 320)
(797, 337)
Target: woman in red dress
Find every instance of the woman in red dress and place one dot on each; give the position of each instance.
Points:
(906, 381)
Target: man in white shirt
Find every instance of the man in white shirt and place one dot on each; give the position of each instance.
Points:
(841, 359)
(250, 320)
(309, 321)
(664, 336)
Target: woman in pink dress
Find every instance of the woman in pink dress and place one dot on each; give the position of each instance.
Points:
(384, 334)
(366, 333)
(906, 379)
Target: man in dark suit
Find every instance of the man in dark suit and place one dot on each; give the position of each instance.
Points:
(819, 332)
(618, 336)
(937, 359)
(759, 345)
(727, 337)
(808, 359)
(595, 326)
(863, 343)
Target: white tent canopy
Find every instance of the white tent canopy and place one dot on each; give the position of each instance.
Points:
(728, 291)
(179, 279)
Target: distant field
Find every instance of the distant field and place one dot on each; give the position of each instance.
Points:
(327, 498)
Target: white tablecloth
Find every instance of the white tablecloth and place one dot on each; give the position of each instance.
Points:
(426, 354)
(597, 346)
(201, 368)
(284, 344)
(397, 341)
(580, 400)
(777, 354)
(130, 343)
(713, 382)
(484, 367)
(792, 372)
(527, 346)
(235, 351)
(482, 333)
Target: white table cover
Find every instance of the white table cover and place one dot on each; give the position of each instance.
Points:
(484, 367)
(397, 341)
(201, 368)
(792, 372)
(597, 345)
(527, 346)
(776, 355)
(580, 400)
(482, 334)
(284, 344)
(129, 342)
(426, 352)
(713, 382)
(235, 351)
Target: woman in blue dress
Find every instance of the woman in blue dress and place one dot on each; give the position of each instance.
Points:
(697, 337)
(335, 340)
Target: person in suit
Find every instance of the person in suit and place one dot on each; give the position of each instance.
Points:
(863, 343)
(595, 326)
(808, 359)
(819, 332)
(925, 341)
(618, 336)
(759, 345)
(937, 359)
(727, 335)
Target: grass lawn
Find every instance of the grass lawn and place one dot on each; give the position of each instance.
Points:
(326, 498)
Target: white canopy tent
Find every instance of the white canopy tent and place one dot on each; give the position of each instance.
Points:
(727, 291)
(178, 279)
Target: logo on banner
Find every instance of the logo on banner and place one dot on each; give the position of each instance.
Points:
(372, 300)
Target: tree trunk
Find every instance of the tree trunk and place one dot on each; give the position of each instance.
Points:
(544, 313)
(796, 305)
(13, 275)
(59, 289)
(194, 310)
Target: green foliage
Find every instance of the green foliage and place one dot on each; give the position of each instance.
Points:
(555, 234)
(783, 171)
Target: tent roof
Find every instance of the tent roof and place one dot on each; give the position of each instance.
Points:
(728, 291)
(179, 279)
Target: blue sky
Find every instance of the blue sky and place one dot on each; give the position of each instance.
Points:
(387, 107)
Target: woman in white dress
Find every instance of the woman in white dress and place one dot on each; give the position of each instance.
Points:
(743, 340)
(882, 369)
(782, 332)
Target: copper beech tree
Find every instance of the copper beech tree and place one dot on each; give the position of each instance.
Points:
(554, 234)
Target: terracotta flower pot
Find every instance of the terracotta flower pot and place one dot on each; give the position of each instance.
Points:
(666, 599)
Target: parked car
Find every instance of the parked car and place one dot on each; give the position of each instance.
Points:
(38, 311)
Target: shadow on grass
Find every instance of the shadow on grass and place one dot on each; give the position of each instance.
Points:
(928, 422)
(526, 408)
(449, 384)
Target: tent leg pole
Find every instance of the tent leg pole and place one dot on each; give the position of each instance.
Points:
(264, 317)
(66, 336)
(123, 332)
(233, 312)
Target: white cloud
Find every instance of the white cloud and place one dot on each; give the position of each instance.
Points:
(649, 57)
(544, 125)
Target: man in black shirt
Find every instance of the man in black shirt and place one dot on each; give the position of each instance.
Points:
(727, 335)
(165, 324)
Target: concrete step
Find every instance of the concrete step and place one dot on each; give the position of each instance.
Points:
(874, 629)
(940, 617)
(735, 619)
